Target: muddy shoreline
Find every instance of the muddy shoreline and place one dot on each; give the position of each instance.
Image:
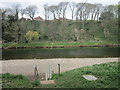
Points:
(116, 45)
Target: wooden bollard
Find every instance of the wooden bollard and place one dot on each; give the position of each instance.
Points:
(36, 76)
(46, 76)
(58, 69)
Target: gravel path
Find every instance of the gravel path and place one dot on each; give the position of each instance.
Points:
(26, 67)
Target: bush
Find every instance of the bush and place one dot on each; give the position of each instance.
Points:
(32, 36)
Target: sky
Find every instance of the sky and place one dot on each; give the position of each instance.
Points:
(40, 3)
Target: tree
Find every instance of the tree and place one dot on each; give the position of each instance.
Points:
(72, 6)
(22, 12)
(97, 10)
(79, 10)
(93, 10)
(53, 9)
(58, 11)
(46, 10)
(31, 11)
(4, 12)
(87, 10)
(6, 35)
(63, 7)
(15, 11)
(113, 9)
(106, 16)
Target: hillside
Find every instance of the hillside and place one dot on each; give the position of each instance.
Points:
(24, 31)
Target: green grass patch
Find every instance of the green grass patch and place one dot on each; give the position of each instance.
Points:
(0, 45)
(17, 81)
(14, 81)
(107, 75)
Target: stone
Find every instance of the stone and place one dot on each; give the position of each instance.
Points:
(47, 82)
(90, 77)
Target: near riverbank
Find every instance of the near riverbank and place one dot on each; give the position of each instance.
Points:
(26, 67)
(106, 74)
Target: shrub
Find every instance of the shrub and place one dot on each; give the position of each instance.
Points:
(32, 36)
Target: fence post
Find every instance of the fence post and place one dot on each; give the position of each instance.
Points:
(50, 72)
(46, 76)
(36, 76)
(58, 69)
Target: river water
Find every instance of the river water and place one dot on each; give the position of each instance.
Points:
(45, 53)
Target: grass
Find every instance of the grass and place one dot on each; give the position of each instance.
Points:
(55, 44)
(17, 81)
(107, 75)
(14, 81)
(0, 45)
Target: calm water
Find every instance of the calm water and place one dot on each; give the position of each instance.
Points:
(61, 53)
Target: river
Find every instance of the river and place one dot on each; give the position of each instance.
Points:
(46, 53)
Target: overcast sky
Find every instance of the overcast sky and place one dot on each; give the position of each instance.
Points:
(40, 3)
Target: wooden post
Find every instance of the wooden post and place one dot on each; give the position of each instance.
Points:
(50, 72)
(36, 76)
(59, 69)
(46, 76)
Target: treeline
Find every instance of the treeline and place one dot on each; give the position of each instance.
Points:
(89, 22)
(79, 11)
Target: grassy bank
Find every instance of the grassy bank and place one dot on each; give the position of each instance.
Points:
(55, 44)
(107, 75)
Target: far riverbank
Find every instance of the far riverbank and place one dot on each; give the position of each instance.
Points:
(58, 45)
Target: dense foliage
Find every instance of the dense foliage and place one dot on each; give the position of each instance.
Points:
(55, 30)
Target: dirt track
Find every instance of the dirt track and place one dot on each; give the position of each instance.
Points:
(26, 67)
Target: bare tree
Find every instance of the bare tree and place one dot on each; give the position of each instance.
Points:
(58, 11)
(86, 11)
(31, 11)
(4, 12)
(22, 12)
(93, 10)
(63, 7)
(15, 10)
(79, 11)
(46, 10)
(72, 6)
(53, 9)
(97, 11)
